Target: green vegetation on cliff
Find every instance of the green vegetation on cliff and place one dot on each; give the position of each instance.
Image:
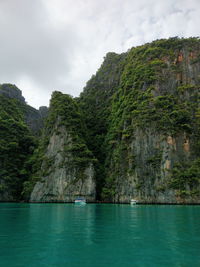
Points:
(137, 120)
(65, 111)
(95, 104)
(185, 178)
(157, 91)
(64, 119)
(16, 146)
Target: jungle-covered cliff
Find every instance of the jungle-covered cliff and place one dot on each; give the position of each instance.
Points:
(153, 139)
(64, 166)
(148, 117)
(33, 118)
(134, 132)
(20, 126)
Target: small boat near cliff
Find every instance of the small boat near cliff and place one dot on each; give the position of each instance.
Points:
(133, 202)
(80, 201)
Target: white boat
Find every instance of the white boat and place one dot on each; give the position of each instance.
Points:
(80, 201)
(133, 202)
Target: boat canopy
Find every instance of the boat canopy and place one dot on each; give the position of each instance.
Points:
(80, 198)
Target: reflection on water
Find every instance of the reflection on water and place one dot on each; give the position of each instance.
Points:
(99, 235)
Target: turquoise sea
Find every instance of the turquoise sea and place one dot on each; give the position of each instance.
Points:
(99, 235)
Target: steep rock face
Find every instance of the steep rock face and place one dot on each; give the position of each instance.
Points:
(19, 124)
(16, 146)
(11, 91)
(95, 103)
(33, 118)
(66, 164)
(145, 172)
(96, 98)
(153, 140)
(43, 110)
(134, 132)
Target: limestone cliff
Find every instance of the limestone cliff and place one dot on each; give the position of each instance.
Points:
(35, 118)
(32, 117)
(19, 126)
(66, 169)
(95, 102)
(134, 132)
(153, 141)
(11, 91)
(16, 146)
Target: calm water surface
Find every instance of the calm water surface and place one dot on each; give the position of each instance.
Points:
(99, 235)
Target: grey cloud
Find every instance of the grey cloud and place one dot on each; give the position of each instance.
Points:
(29, 46)
(58, 44)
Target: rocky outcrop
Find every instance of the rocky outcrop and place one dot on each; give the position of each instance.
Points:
(146, 170)
(61, 181)
(16, 146)
(11, 91)
(33, 118)
(67, 169)
(43, 110)
(134, 132)
(153, 153)
(95, 102)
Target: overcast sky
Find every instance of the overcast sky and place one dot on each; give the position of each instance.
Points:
(48, 45)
